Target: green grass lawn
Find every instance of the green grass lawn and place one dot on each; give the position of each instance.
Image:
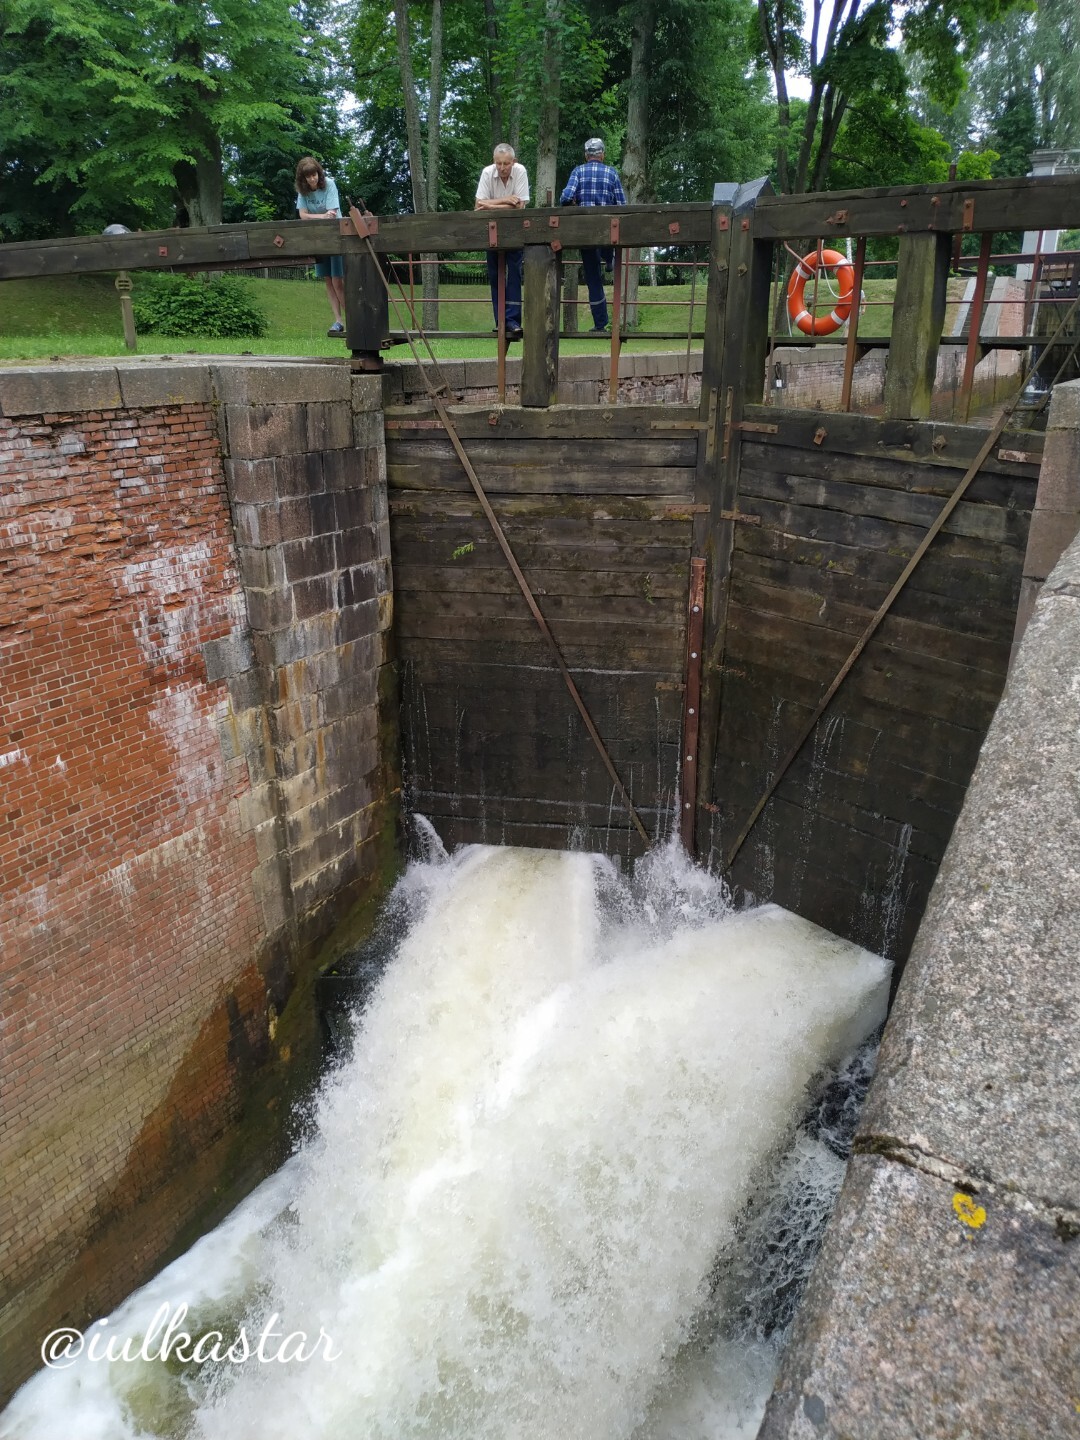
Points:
(72, 316)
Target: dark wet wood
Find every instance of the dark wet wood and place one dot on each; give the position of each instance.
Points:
(367, 322)
(876, 790)
(918, 317)
(540, 320)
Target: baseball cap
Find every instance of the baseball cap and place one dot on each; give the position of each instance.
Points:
(595, 146)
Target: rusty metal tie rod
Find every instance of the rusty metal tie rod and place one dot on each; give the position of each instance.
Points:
(511, 560)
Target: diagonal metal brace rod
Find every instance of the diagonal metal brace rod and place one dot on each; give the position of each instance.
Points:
(883, 609)
(511, 560)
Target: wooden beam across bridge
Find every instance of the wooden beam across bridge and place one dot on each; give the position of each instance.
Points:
(1045, 202)
(270, 241)
(954, 207)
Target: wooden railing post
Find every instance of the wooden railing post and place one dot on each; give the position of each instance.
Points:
(540, 321)
(367, 319)
(918, 316)
(732, 373)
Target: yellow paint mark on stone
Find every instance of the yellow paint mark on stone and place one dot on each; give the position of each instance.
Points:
(967, 1212)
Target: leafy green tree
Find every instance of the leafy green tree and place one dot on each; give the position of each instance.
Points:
(1023, 90)
(852, 60)
(1015, 134)
(697, 108)
(383, 164)
(1056, 48)
(260, 172)
(884, 145)
(136, 106)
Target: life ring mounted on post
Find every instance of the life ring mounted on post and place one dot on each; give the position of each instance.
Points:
(807, 267)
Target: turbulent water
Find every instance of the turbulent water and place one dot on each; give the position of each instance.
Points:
(566, 1184)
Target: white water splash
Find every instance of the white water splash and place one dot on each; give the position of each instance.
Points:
(531, 1192)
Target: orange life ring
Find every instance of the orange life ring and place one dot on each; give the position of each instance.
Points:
(807, 266)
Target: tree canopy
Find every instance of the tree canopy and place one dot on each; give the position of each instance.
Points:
(858, 59)
(131, 112)
(159, 112)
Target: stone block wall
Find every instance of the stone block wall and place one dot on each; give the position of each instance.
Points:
(814, 379)
(197, 783)
(306, 468)
(644, 379)
(1056, 518)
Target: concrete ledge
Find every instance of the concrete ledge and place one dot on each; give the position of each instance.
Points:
(147, 382)
(39, 390)
(281, 383)
(150, 386)
(917, 1321)
(932, 1338)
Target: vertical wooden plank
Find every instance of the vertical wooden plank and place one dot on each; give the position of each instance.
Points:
(367, 320)
(733, 370)
(918, 317)
(616, 322)
(540, 321)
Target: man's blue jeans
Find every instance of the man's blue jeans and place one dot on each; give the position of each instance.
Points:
(513, 286)
(593, 260)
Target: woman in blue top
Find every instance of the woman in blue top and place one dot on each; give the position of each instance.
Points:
(317, 199)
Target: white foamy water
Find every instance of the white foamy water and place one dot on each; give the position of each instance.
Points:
(540, 1198)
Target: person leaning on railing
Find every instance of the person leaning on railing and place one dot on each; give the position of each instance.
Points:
(317, 199)
(594, 183)
(504, 185)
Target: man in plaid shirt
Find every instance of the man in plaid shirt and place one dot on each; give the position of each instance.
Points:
(595, 183)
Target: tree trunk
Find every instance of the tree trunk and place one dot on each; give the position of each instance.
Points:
(515, 123)
(494, 81)
(200, 185)
(414, 138)
(635, 169)
(199, 181)
(547, 142)
(774, 48)
(412, 109)
(434, 133)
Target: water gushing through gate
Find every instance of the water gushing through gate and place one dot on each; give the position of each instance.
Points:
(559, 1188)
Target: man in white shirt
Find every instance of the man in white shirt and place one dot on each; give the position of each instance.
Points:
(504, 186)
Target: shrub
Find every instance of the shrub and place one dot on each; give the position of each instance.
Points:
(222, 307)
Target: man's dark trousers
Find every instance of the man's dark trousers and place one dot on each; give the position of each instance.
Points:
(593, 260)
(513, 286)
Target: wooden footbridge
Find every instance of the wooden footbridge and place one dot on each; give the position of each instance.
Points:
(791, 625)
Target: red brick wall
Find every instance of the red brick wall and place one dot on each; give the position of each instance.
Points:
(128, 911)
(197, 793)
